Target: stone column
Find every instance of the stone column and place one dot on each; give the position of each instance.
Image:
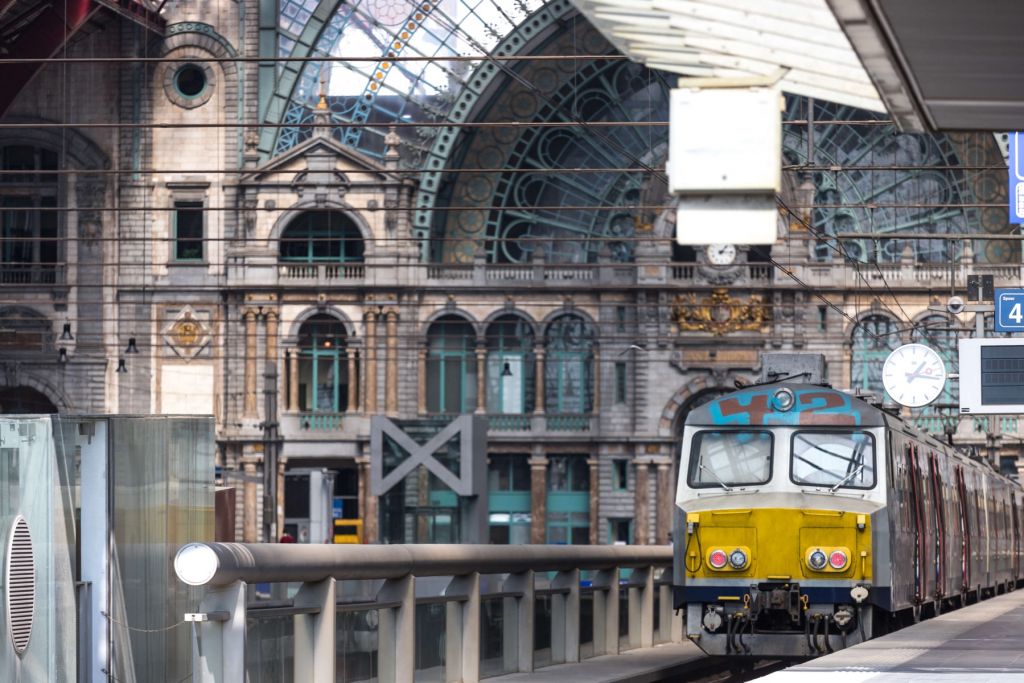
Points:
(293, 379)
(595, 510)
(350, 356)
(663, 502)
(250, 504)
(250, 363)
(538, 498)
(367, 502)
(271, 337)
(370, 395)
(391, 363)
(641, 518)
(421, 382)
(282, 463)
(481, 380)
(538, 402)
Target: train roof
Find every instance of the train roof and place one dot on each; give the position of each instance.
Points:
(765, 406)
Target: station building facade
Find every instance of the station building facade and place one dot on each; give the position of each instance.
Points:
(305, 245)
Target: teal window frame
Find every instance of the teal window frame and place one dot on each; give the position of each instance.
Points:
(620, 474)
(311, 354)
(614, 527)
(509, 505)
(305, 230)
(570, 341)
(513, 346)
(568, 506)
(188, 206)
(443, 351)
(874, 338)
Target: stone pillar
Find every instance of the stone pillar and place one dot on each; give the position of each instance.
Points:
(596, 407)
(481, 380)
(421, 382)
(250, 504)
(350, 356)
(250, 363)
(293, 380)
(282, 463)
(538, 498)
(538, 402)
(663, 502)
(391, 363)
(595, 510)
(367, 502)
(271, 337)
(370, 395)
(641, 518)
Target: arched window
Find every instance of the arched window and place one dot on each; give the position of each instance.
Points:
(451, 366)
(938, 332)
(510, 366)
(568, 372)
(29, 233)
(874, 337)
(322, 236)
(323, 365)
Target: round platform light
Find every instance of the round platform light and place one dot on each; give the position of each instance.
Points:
(737, 559)
(718, 559)
(196, 564)
(837, 560)
(817, 560)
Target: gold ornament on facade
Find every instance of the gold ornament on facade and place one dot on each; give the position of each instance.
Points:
(187, 331)
(719, 313)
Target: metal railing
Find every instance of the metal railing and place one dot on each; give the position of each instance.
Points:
(331, 632)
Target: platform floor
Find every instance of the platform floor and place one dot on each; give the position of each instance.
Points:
(982, 642)
(669, 662)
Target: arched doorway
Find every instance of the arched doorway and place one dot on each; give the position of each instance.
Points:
(25, 401)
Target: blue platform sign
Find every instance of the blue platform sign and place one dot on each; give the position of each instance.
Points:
(1016, 163)
(1010, 309)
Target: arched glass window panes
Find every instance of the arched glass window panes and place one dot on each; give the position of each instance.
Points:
(568, 370)
(938, 332)
(29, 230)
(322, 236)
(323, 365)
(510, 366)
(874, 338)
(451, 366)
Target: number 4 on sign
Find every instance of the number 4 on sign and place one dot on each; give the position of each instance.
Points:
(1015, 314)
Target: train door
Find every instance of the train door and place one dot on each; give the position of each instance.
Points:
(1015, 569)
(939, 526)
(917, 516)
(985, 505)
(963, 508)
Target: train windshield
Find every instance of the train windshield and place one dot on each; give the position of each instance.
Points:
(834, 459)
(727, 459)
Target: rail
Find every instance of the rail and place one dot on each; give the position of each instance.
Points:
(483, 610)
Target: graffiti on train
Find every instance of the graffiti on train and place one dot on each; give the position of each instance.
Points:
(810, 407)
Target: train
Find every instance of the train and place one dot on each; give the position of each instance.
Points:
(808, 520)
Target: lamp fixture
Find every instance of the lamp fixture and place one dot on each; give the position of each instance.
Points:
(66, 334)
(507, 370)
(62, 356)
(132, 348)
(121, 367)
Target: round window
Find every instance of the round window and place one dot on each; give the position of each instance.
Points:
(190, 80)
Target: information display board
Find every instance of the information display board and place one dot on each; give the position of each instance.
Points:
(991, 376)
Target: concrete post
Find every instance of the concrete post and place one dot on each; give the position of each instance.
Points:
(249, 500)
(666, 627)
(663, 502)
(314, 633)
(396, 631)
(641, 514)
(565, 617)
(462, 624)
(219, 641)
(481, 380)
(595, 510)
(606, 612)
(538, 498)
(522, 584)
(641, 608)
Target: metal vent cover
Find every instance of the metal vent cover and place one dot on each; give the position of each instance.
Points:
(20, 584)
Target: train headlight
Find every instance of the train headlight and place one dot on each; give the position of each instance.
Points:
(817, 560)
(837, 559)
(737, 559)
(718, 559)
(783, 399)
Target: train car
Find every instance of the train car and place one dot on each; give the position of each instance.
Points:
(808, 520)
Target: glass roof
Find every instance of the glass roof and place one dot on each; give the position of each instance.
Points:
(384, 90)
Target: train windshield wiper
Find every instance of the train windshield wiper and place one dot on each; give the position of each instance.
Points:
(717, 478)
(847, 478)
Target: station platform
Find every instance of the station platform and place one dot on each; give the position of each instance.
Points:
(981, 642)
(668, 662)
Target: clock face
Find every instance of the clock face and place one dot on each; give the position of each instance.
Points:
(914, 375)
(721, 254)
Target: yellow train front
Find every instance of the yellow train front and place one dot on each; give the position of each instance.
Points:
(791, 539)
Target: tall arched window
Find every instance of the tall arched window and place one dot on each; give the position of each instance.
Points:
(323, 365)
(568, 372)
(874, 337)
(510, 366)
(29, 239)
(451, 366)
(322, 236)
(938, 332)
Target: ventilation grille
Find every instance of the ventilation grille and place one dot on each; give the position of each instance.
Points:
(21, 585)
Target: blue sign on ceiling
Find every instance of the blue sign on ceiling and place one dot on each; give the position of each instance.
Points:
(1016, 163)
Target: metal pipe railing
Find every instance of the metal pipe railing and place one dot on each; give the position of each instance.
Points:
(225, 569)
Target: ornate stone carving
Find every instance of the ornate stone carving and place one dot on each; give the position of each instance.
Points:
(186, 334)
(719, 313)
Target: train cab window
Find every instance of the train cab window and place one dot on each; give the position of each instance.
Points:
(727, 459)
(833, 459)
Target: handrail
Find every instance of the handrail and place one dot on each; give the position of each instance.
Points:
(220, 564)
